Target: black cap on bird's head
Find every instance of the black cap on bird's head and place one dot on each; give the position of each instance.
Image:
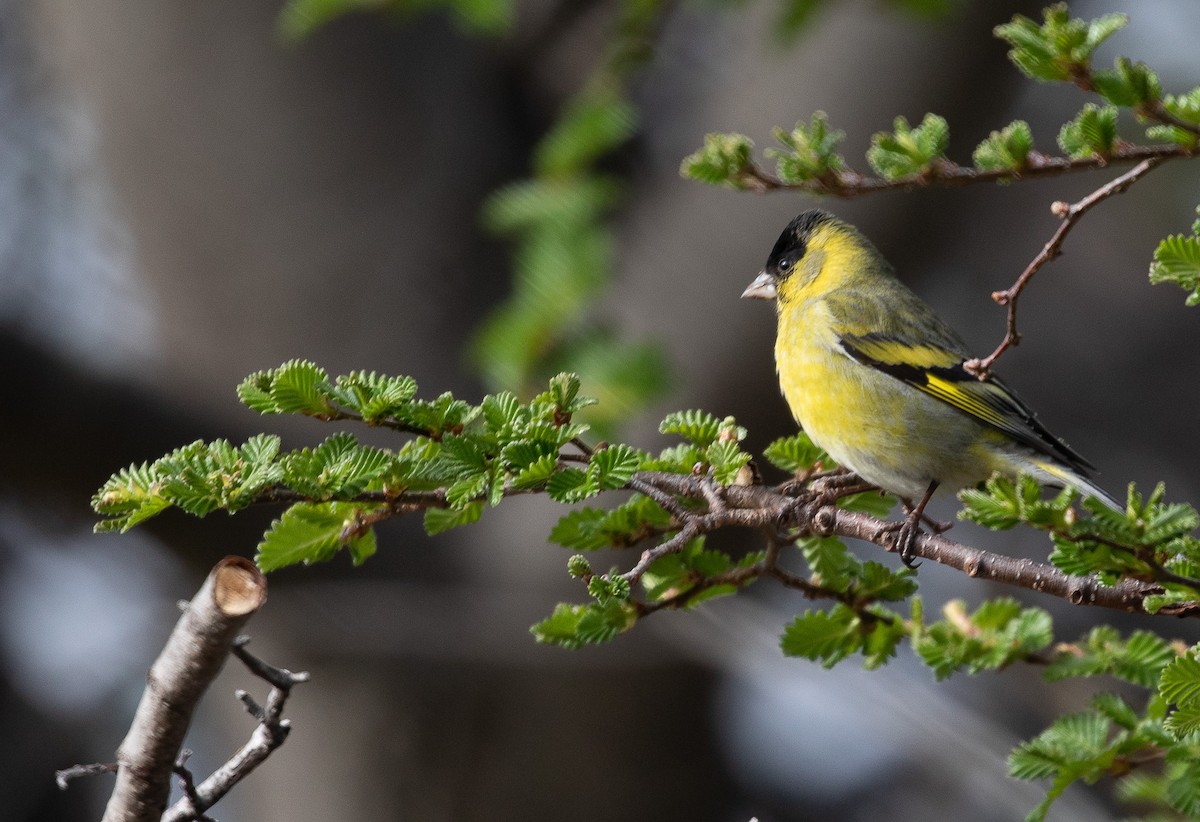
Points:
(789, 249)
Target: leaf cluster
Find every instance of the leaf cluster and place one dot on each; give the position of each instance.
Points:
(1177, 260)
(1105, 741)
(909, 151)
(1113, 738)
(994, 636)
(461, 458)
(809, 151)
(1059, 49)
(684, 575)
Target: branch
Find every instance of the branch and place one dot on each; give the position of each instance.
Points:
(761, 507)
(191, 659)
(1070, 214)
(271, 732)
(1127, 595)
(945, 174)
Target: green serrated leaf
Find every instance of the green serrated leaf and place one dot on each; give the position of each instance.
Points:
(573, 626)
(438, 520)
(374, 396)
(995, 505)
(1128, 84)
(199, 477)
(726, 459)
(628, 524)
(581, 530)
(697, 427)
(810, 151)
(1164, 523)
(1180, 682)
(301, 387)
(255, 393)
(1185, 107)
(997, 634)
(795, 453)
(1177, 260)
(535, 473)
(824, 636)
(909, 151)
(1071, 740)
(128, 498)
(314, 532)
(338, 467)
(562, 396)
(1184, 721)
(1140, 659)
(1117, 710)
(259, 449)
(1061, 48)
(612, 467)
(466, 490)
(1005, 150)
(503, 413)
(724, 160)
(570, 485)
(1183, 790)
(832, 565)
(1092, 132)
(876, 582)
(441, 417)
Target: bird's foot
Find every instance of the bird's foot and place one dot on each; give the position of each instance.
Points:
(906, 539)
(904, 535)
(909, 529)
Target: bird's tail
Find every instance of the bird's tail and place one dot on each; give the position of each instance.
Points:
(1061, 474)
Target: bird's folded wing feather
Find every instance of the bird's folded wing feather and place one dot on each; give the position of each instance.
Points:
(938, 371)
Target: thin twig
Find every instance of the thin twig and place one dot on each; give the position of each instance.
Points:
(280, 678)
(1070, 214)
(672, 546)
(187, 784)
(644, 485)
(271, 732)
(63, 778)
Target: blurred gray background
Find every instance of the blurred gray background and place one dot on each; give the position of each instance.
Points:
(185, 199)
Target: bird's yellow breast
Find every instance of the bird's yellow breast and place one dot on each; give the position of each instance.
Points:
(824, 388)
(867, 420)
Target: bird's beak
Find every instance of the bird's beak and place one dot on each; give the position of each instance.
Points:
(763, 288)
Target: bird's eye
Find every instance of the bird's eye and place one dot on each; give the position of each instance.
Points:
(786, 263)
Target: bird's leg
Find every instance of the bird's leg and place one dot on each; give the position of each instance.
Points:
(906, 537)
(937, 526)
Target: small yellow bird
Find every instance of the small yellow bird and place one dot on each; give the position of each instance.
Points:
(876, 378)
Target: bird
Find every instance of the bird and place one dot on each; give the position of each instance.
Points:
(879, 381)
